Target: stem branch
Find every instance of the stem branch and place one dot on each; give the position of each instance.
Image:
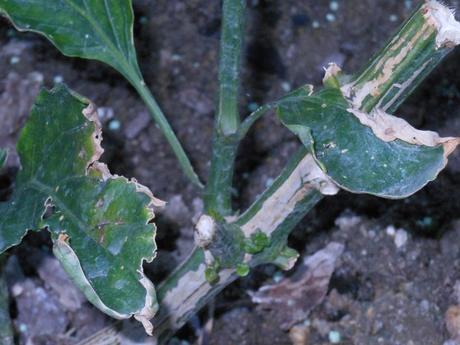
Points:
(225, 143)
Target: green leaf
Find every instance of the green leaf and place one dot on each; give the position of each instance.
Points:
(92, 29)
(364, 158)
(3, 156)
(100, 30)
(100, 224)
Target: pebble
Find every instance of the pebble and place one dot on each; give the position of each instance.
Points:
(286, 86)
(390, 230)
(114, 125)
(14, 60)
(334, 5)
(334, 337)
(330, 17)
(393, 18)
(400, 238)
(299, 335)
(425, 305)
(253, 106)
(315, 24)
(58, 79)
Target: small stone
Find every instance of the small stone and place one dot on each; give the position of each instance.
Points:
(330, 17)
(299, 334)
(286, 86)
(400, 238)
(253, 106)
(425, 305)
(17, 290)
(393, 18)
(390, 230)
(334, 5)
(114, 125)
(58, 79)
(315, 24)
(278, 276)
(334, 337)
(269, 182)
(14, 60)
(105, 113)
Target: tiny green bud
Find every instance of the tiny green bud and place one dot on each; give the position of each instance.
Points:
(211, 275)
(242, 269)
(260, 239)
(256, 243)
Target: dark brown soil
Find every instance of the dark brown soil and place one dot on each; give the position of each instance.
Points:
(379, 294)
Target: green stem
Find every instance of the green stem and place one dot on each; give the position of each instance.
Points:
(252, 118)
(233, 12)
(283, 205)
(400, 66)
(225, 143)
(163, 124)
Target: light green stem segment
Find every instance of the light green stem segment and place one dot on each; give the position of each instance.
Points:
(400, 66)
(228, 118)
(218, 194)
(163, 124)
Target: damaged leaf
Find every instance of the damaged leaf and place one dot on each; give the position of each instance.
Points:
(293, 298)
(91, 29)
(100, 224)
(373, 153)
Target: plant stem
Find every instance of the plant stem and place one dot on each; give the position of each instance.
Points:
(233, 12)
(401, 65)
(225, 142)
(283, 205)
(185, 291)
(252, 118)
(160, 119)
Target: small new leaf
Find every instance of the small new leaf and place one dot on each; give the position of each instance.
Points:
(374, 153)
(91, 29)
(100, 224)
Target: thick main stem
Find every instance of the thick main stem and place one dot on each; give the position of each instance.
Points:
(279, 209)
(225, 142)
(282, 206)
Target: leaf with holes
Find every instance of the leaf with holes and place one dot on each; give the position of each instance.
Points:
(100, 224)
(373, 153)
(91, 29)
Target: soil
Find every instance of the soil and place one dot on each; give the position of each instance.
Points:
(397, 276)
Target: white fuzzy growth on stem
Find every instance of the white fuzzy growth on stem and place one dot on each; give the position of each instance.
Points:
(205, 230)
(443, 19)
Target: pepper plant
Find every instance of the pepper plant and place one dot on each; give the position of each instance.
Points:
(101, 224)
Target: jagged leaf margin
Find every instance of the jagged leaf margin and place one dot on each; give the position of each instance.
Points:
(375, 153)
(101, 224)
